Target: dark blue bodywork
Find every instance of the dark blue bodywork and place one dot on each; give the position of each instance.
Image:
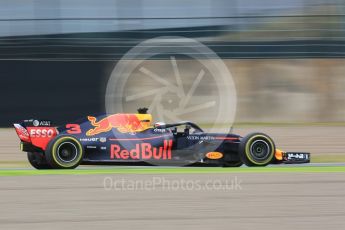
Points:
(188, 146)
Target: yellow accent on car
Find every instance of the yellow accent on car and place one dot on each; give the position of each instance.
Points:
(145, 120)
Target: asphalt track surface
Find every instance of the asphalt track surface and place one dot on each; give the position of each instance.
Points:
(263, 199)
(170, 201)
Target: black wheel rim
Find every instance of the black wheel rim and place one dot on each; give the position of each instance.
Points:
(67, 152)
(260, 150)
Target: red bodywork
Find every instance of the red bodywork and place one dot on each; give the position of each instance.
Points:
(22, 133)
(37, 136)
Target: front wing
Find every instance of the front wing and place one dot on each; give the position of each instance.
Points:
(296, 157)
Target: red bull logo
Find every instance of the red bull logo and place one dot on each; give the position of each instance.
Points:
(142, 151)
(125, 123)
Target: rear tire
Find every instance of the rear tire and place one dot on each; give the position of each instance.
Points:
(64, 152)
(257, 149)
(38, 161)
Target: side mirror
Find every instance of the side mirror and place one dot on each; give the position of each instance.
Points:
(186, 129)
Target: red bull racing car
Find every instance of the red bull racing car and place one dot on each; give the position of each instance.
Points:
(132, 139)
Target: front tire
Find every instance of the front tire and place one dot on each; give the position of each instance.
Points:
(64, 152)
(257, 149)
(38, 161)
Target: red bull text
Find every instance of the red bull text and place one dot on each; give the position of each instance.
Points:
(142, 151)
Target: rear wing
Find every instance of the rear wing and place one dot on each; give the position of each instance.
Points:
(22, 133)
(36, 132)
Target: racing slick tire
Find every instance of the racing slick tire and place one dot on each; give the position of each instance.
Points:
(257, 149)
(64, 152)
(37, 160)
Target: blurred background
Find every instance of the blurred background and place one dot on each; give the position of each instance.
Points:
(287, 62)
(286, 57)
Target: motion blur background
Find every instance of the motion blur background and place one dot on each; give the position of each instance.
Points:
(286, 57)
(287, 61)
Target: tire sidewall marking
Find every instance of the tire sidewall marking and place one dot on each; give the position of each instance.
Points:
(59, 141)
(249, 156)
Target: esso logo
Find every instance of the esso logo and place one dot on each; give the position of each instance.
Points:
(41, 132)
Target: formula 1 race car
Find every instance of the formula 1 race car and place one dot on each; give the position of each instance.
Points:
(131, 139)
